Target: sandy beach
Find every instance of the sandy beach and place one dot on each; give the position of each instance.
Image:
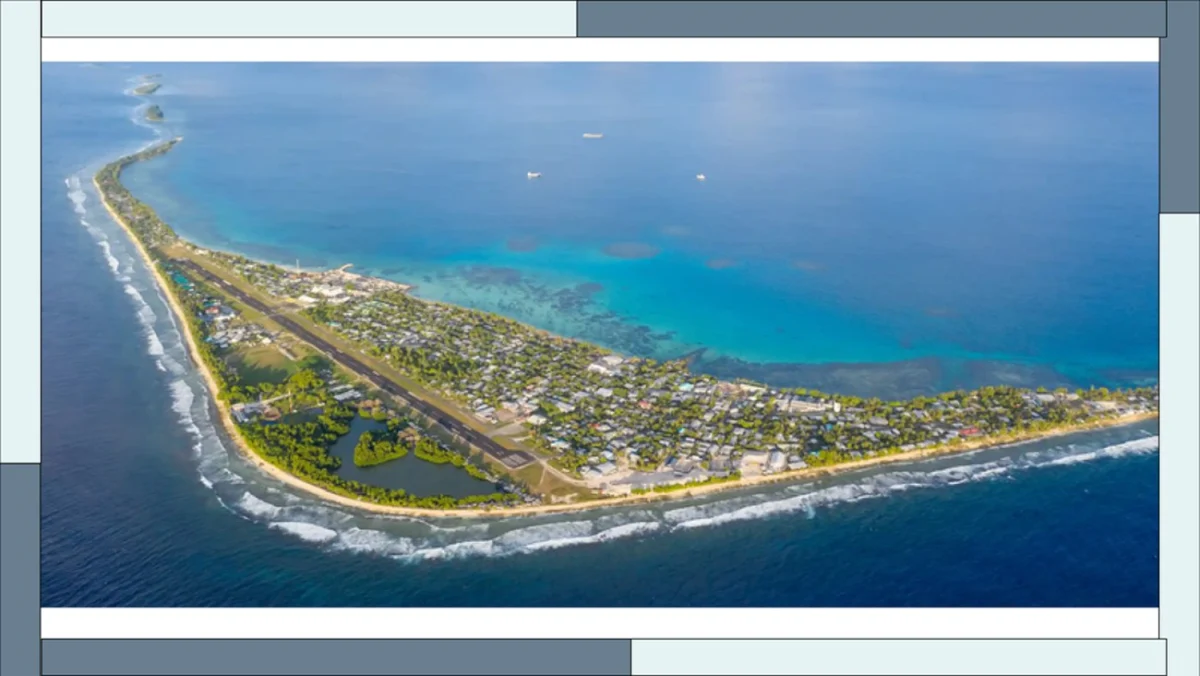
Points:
(529, 510)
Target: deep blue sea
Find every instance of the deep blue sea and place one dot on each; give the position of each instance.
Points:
(879, 229)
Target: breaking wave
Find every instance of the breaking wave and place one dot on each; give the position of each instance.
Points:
(76, 194)
(113, 263)
(246, 492)
(306, 531)
(256, 506)
(146, 318)
(884, 484)
(367, 541)
(78, 198)
(1135, 447)
(164, 343)
(145, 314)
(413, 540)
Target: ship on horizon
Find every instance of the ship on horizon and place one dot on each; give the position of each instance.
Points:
(592, 135)
(533, 174)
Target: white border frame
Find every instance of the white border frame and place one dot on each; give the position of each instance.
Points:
(733, 50)
(622, 623)
(61, 623)
(596, 623)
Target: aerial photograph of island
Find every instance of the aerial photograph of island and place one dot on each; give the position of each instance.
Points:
(600, 334)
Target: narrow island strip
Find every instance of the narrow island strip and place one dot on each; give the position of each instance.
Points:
(146, 89)
(560, 424)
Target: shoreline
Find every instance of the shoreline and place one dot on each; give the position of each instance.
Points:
(293, 481)
(244, 450)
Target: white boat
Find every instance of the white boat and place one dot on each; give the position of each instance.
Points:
(700, 177)
(593, 135)
(533, 174)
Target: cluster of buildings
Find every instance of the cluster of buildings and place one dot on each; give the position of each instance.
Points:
(241, 334)
(252, 411)
(679, 428)
(224, 332)
(344, 393)
(498, 371)
(619, 421)
(307, 288)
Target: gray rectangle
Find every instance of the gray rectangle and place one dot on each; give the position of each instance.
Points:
(20, 551)
(874, 18)
(286, 657)
(1179, 110)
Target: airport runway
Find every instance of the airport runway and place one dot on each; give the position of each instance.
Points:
(511, 459)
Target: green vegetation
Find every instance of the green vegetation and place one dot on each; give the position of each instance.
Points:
(594, 402)
(301, 448)
(428, 450)
(589, 406)
(146, 89)
(192, 299)
(372, 451)
(144, 222)
(262, 364)
(297, 444)
(154, 114)
(376, 414)
(434, 329)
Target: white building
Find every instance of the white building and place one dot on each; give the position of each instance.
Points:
(753, 459)
(799, 406)
(776, 461)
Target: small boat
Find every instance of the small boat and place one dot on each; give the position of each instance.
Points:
(700, 177)
(533, 174)
(593, 135)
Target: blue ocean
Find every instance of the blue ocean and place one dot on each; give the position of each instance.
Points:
(883, 230)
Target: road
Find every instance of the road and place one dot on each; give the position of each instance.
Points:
(511, 459)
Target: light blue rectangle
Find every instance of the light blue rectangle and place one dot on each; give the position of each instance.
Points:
(341, 18)
(20, 214)
(896, 657)
(1179, 438)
